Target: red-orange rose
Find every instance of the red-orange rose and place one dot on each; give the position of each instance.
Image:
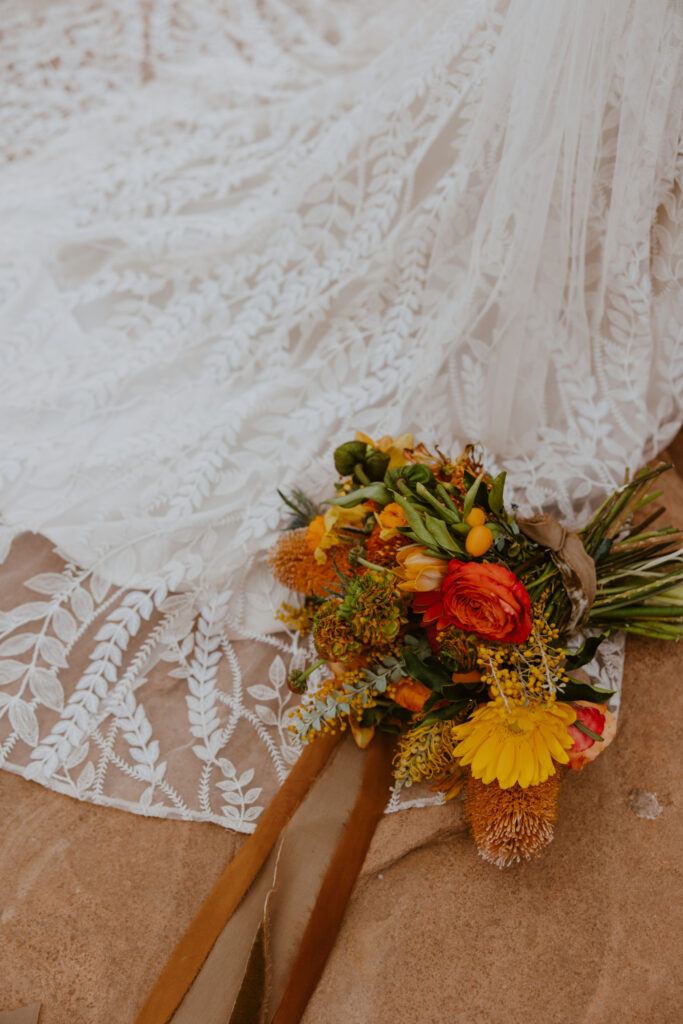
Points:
(479, 598)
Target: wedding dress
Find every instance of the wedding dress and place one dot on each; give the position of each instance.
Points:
(236, 231)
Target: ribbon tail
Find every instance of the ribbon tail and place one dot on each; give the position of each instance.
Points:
(334, 894)
(257, 948)
(193, 949)
(26, 1015)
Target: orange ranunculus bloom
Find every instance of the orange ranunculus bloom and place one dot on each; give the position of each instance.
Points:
(419, 570)
(481, 598)
(599, 720)
(315, 532)
(410, 694)
(392, 515)
(390, 518)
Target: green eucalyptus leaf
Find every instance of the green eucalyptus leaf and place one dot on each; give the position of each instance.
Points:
(471, 495)
(496, 494)
(373, 492)
(585, 653)
(449, 711)
(575, 689)
(443, 538)
(414, 519)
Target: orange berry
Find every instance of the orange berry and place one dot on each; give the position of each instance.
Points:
(477, 517)
(478, 541)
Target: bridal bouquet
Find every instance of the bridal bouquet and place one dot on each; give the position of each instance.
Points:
(441, 616)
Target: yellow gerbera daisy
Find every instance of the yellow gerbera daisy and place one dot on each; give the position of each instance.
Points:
(516, 745)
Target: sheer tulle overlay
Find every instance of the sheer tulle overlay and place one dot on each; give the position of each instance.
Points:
(234, 232)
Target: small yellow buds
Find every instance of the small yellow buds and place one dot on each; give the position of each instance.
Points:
(476, 517)
(478, 540)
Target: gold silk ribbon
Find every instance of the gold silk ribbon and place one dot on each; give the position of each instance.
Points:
(257, 947)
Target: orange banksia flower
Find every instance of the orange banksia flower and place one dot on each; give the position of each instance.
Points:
(293, 564)
(510, 825)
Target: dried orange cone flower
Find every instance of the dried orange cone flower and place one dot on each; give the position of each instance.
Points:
(294, 565)
(420, 571)
(510, 825)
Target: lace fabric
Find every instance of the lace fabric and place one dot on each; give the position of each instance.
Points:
(233, 233)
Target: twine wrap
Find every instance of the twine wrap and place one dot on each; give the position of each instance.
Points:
(576, 566)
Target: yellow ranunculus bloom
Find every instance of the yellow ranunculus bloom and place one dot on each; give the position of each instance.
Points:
(393, 447)
(515, 746)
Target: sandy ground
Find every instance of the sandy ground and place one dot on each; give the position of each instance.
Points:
(93, 900)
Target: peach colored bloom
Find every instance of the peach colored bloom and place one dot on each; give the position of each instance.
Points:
(420, 571)
(599, 720)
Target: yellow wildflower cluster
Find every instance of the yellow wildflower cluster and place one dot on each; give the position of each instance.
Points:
(299, 620)
(525, 674)
(327, 531)
(425, 752)
(522, 732)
